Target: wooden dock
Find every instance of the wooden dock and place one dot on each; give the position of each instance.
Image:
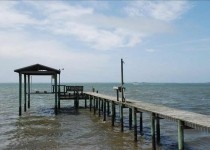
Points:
(184, 119)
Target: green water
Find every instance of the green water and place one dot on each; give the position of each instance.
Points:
(39, 128)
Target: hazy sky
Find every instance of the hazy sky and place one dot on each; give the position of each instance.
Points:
(160, 41)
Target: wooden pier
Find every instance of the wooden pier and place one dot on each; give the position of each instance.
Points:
(184, 119)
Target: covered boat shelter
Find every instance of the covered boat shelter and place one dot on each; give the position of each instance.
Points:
(36, 69)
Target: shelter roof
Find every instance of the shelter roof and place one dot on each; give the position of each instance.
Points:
(37, 69)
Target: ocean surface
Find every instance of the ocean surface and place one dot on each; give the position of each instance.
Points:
(39, 128)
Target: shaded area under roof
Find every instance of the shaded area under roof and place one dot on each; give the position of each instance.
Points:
(37, 69)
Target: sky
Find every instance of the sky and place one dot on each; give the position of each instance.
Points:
(159, 41)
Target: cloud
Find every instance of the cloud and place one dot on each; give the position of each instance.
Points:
(12, 18)
(95, 29)
(161, 10)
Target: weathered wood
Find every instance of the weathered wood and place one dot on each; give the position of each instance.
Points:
(104, 103)
(194, 120)
(99, 107)
(108, 108)
(153, 131)
(25, 93)
(113, 113)
(29, 91)
(20, 94)
(158, 129)
(121, 118)
(56, 95)
(141, 123)
(90, 99)
(135, 123)
(184, 118)
(180, 135)
(94, 107)
(85, 102)
(130, 118)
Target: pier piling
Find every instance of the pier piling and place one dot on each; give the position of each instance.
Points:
(121, 117)
(20, 94)
(104, 110)
(158, 129)
(94, 107)
(130, 118)
(135, 124)
(29, 91)
(90, 99)
(99, 107)
(180, 135)
(141, 123)
(153, 131)
(25, 93)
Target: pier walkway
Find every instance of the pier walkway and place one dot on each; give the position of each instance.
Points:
(184, 119)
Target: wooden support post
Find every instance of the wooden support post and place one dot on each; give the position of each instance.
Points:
(24, 92)
(104, 102)
(20, 94)
(59, 102)
(180, 135)
(135, 124)
(113, 113)
(158, 129)
(85, 102)
(102, 106)
(130, 118)
(108, 108)
(117, 95)
(77, 101)
(90, 98)
(99, 107)
(59, 91)
(121, 117)
(56, 95)
(153, 131)
(94, 103)
(141, 123)
(29, 91)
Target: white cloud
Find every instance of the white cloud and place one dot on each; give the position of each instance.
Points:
(161, 10)
(96, 30)
(12, 18)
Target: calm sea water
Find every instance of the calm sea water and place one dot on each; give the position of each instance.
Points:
(39, 128)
